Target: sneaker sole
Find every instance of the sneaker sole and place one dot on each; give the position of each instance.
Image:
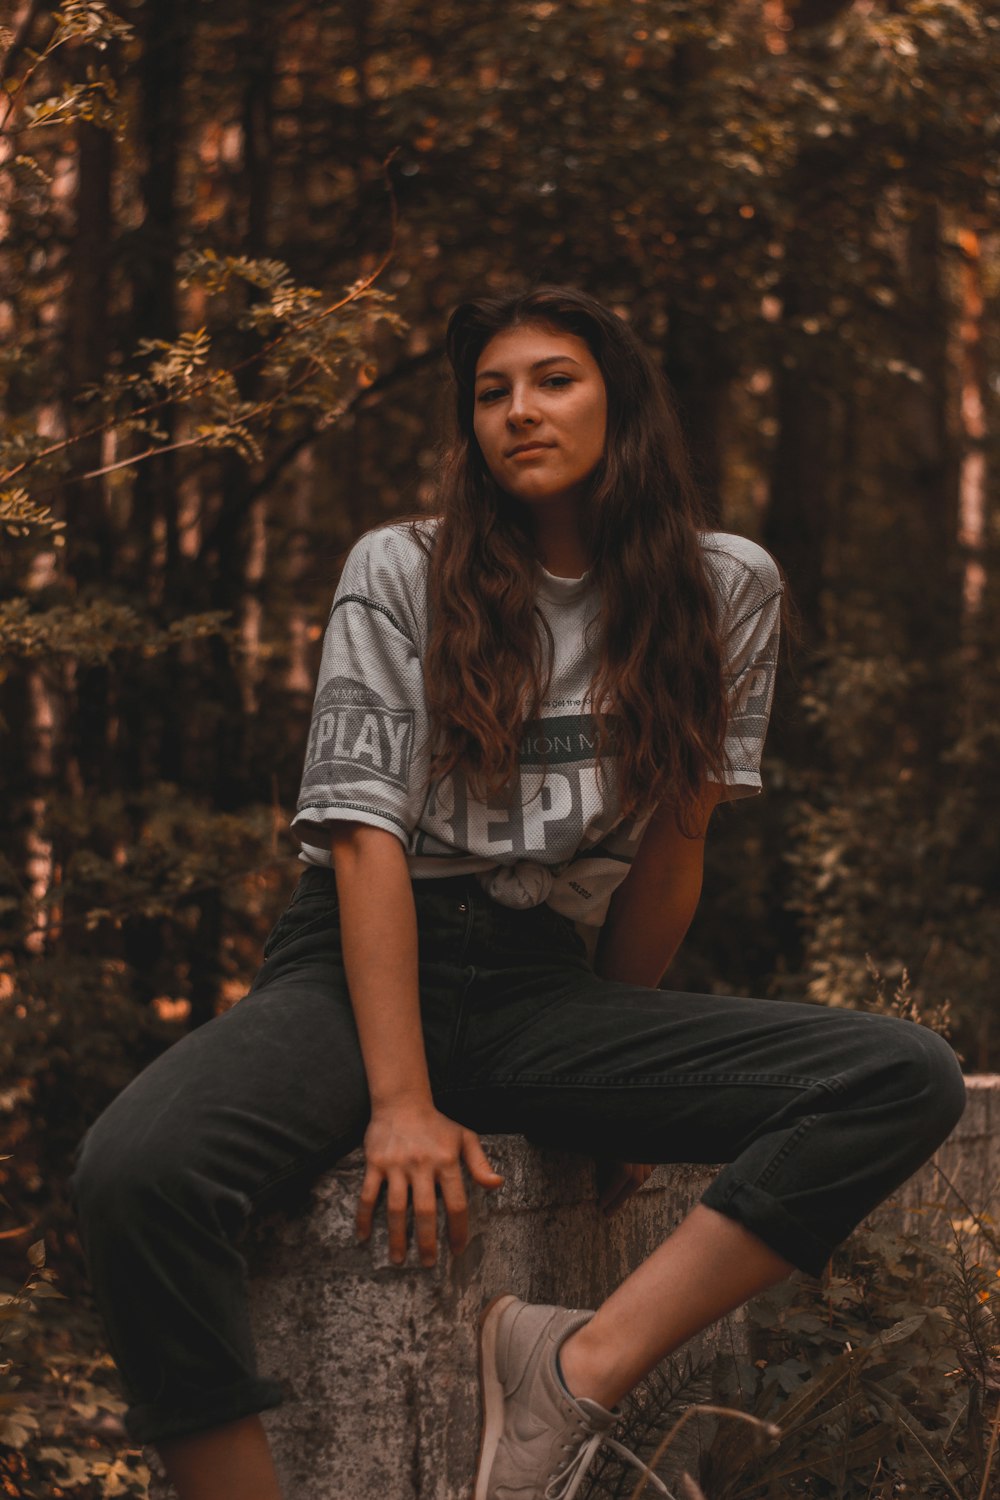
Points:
(491, 1391)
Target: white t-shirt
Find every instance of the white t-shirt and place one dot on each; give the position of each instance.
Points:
(558, 840)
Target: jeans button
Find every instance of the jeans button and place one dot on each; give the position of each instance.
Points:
(462, 906)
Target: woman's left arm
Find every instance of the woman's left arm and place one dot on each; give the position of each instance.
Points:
(647, 918)
(651, 910)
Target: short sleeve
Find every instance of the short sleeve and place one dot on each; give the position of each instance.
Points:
(367, 746)
(751, 633)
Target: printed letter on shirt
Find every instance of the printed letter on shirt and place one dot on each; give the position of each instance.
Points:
(356, 734)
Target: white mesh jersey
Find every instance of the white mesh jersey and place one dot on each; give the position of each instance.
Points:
(557, 839)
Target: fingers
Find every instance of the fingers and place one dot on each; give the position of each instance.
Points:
(425, 1212)
(425, 1217)
(396, 1205)
(395, 1213)
(367, 1199)
(420, 1182)
(457, 1209)
(477, 1163)
(425, 1220)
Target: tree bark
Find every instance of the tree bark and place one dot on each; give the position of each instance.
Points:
(797, 526)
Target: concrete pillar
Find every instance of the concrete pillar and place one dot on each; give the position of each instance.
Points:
(381, 1361)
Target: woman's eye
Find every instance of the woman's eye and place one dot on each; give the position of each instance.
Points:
(558, 381)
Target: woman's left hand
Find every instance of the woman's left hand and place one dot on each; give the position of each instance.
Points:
(618, 1180)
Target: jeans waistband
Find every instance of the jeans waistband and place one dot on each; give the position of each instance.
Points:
(458, 909)
(317, 878)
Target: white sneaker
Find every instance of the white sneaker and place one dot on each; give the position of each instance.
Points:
(538, 1441)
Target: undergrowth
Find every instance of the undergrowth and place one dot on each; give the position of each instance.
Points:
(61, 1432)
(883, 1380)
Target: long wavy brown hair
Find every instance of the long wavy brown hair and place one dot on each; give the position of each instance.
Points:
(657, 693)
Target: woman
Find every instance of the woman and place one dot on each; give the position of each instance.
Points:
(527, 709)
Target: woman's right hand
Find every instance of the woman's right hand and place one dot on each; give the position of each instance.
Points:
(414, 1150)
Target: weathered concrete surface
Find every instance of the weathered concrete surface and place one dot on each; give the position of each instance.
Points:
(380, 1361)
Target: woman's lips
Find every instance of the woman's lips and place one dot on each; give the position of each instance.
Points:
(533, 452)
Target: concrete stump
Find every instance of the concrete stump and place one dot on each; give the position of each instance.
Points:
(380, 1360)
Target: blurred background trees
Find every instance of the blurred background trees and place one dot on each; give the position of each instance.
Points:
(231, 237)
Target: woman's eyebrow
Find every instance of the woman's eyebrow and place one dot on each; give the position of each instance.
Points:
(550, 359)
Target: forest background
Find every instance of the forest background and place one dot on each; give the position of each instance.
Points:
(231, 237)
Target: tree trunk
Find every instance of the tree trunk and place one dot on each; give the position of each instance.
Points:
(930, 479)
(805, 470)
(242, 552)
(81, 740)
(153, 561)
(973, 376)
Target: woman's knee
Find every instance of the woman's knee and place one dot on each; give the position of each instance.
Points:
(926, 1076)
(946, 1086)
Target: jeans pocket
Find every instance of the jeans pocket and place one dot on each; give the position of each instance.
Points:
(316, 883)
(302, 917)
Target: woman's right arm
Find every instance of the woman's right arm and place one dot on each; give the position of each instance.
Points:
(409, 1145)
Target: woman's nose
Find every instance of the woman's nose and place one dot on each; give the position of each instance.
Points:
(522, 407)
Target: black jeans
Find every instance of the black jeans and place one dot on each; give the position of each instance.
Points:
(820, 1114)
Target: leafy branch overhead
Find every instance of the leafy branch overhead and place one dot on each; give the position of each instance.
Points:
(20, 516)
(314, 354)
(311, 362)
(96, 100)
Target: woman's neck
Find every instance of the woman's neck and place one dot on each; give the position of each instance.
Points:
(562, 554)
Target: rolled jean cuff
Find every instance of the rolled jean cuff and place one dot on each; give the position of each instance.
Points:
(157, 1422)
(765, 1217)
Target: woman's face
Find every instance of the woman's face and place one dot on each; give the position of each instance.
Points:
(543, 387)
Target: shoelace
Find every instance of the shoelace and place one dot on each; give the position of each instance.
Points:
(565, 1482)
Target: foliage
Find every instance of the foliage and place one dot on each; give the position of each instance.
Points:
(19, 514)
(75, 1024)
(885, 1375)
(673, 1386)
(882, 1379)
(311, 361)
(95, 632)
(60, 1414)
(94, 100)
(896, 860)
(16, 1311)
